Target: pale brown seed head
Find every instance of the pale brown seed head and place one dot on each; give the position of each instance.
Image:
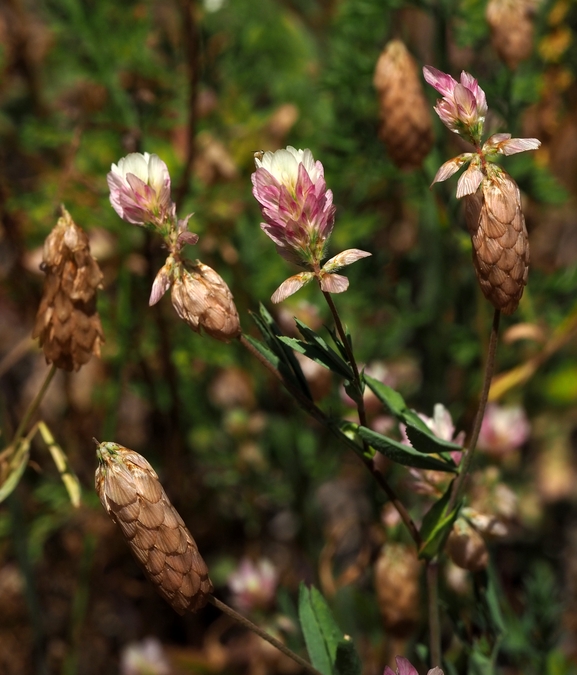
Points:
(67, 322)
(397, 573)
(512, 27)
(202, 299)
(500, 242)
(406, 125)
(135, 500)
(466, 547)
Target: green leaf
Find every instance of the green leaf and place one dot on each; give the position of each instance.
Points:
(313, 634)
(285, 361)
(436, 526)
(330, 359)
(69, 478)
(403, 454)
(347, 661)
(421, 437)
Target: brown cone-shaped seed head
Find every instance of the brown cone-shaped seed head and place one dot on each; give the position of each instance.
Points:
(67, 322)
(133, 497)
(202, 299)
(466, 547)
(406, 126)
(500, 242)
(511, 23)
(397, 573)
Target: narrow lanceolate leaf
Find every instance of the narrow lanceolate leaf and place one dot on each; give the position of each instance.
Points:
(68, 477)
(403, 454)
(278, 353)
(421, 437)
(135, 500)
(437, 525)
(331, 652)
(314, 639)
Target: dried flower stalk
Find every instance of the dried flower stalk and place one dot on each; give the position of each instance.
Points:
(133, 497)
(500, 242)
(67, 322)
(512, 28)
(406, 126)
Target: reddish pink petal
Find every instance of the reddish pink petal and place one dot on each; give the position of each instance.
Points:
(442, 82)
(405, 667)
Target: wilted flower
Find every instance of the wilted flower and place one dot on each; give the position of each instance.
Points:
(253, 585)
(67, 322)
(140, 189)
(133, 497)
(512, 27)
(504, 428)
(299, 217)
(202, 299)
(144, 658)
(405, 667)
(466, 547)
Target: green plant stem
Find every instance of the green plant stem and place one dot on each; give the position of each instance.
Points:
(246, 623)
(472, 444)
(33, 407)
(316, 413)
(433, 605)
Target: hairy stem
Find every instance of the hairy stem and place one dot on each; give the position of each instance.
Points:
(316, 413)
(243, 621)
(472, 444)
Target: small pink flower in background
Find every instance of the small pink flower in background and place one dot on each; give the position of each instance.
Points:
(299, 217)
(405, 667)
(504, 428)
(253, 585)
(144, 658)
(140, 189)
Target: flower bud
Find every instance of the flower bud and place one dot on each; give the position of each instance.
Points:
(500, 242)
(397, 573)
(67, 322)
(406, 127)
(466, 547)
(202, 299)
(135, 500)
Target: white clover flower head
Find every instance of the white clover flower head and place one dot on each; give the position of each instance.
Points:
(140, 189)
(253, 585)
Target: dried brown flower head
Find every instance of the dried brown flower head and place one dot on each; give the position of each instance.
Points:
(406, 126)
(67, 322)
(202, 299)
(133, 497)
(397, 573)
(512, 28)
(500, 242)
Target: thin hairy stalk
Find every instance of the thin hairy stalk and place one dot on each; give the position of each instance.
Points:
(488, 376)
(345, 340)
(33, 407)
(434, 620)
(316, 413)
(243, 621)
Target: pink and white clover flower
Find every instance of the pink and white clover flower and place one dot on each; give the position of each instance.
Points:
(405, 667)
(140, 189)
(253, 585)
(504, 429)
